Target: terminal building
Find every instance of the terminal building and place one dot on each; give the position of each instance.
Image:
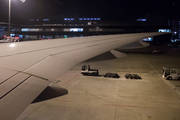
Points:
(78, 27)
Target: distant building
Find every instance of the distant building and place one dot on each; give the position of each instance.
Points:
(76, 27)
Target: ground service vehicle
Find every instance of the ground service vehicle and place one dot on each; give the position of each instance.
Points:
(136, 76)
(170, 74)
(112, 75)
(10, 39)
(87, 71)
(132, 76)
(127, 76)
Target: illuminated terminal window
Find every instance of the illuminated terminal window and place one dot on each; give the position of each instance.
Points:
(140, 19)
(20, 36)
(45, 20)
(164, 30)
(73, 29)
(31, 29)
(76, 29)
(12, 35)
(89, 18)
(175, 40)
(68, 19)
(148, 39)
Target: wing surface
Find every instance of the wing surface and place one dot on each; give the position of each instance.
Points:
(27, 68)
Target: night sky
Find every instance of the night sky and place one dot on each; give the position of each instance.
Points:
(106, 9)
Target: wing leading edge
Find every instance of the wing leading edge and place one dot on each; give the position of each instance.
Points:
(29, 67)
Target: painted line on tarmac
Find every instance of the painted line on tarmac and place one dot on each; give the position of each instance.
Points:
(70, 80)
(62, 100)
(123, 79)
(127, 106)
(167, 82)
(116, 79)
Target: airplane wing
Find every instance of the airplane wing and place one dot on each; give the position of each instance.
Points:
(27, 68)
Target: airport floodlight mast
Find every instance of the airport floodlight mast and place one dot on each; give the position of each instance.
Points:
(9, 28)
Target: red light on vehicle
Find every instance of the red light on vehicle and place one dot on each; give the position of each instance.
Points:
(4, 35)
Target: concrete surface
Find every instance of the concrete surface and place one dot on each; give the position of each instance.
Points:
(98, 98)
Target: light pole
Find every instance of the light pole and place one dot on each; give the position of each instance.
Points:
(9, 29)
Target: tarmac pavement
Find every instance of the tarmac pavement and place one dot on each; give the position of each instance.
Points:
(99, 98)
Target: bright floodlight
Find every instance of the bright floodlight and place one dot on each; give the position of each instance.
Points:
(23, 0)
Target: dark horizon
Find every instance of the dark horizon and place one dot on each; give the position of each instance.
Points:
(105, 9)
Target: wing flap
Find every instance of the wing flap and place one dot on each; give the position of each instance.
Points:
(18, 99)
(118, 54)
(12, 83)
